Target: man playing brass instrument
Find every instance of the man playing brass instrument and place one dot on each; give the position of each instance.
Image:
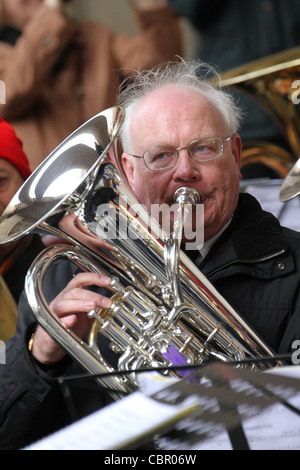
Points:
(178, 130)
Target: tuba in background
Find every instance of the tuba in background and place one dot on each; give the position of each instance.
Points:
(164, 310)
(274, 83)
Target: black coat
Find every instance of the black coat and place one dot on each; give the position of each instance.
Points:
(255, 265)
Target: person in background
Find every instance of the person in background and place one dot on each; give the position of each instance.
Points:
(16, 257)
(58, 73)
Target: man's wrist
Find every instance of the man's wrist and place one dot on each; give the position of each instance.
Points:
(45, 366)
(40, 365)
(51, 368)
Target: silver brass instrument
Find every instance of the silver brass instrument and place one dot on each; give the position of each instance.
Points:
(291, 186)
(163, 307)
(272, 82)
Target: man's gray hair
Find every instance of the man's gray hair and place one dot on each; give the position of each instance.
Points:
(191, 74)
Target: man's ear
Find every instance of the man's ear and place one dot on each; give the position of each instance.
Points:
(236, 146)
(128, 168)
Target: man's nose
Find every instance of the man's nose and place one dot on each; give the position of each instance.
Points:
(186, 167)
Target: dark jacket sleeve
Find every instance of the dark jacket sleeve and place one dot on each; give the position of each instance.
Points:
(31, 403)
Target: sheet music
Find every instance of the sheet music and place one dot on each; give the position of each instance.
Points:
(275, 428)
(189, 415)
(115, 426)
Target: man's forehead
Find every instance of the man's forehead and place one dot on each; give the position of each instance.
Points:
(171, 94)
(173, 106)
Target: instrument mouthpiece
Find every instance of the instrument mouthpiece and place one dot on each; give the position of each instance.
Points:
(186, 195)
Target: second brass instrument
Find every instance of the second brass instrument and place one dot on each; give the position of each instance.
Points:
(272, 81)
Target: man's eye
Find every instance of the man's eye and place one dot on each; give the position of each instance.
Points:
(160, 156)
(163, 155)
(202, 148)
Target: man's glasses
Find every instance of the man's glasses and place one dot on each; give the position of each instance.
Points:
(201, 150)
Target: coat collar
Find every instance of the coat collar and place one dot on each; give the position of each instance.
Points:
(254, 232)
(253, 236)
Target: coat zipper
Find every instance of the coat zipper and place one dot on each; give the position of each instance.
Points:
(259, 260)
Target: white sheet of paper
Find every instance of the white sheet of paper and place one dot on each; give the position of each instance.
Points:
(116, 425)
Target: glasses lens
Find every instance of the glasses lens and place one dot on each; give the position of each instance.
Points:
(160, 158)
(206, 149)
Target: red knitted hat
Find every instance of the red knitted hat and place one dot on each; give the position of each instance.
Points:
(11, 149)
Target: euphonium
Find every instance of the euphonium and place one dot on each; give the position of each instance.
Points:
(163, 307)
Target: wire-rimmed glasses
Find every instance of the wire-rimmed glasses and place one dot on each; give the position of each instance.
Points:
(201, 150)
